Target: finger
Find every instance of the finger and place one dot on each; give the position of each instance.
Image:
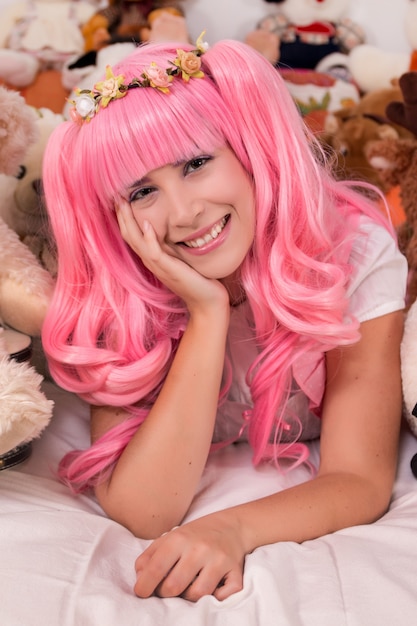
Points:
(185, 571)
(205, 584)
(213, 581)
(175, 583)
(126, 219)
(232, 583)
(152, 567)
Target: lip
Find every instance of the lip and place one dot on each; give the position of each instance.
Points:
(211, 245)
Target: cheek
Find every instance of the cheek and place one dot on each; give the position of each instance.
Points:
(151, 217)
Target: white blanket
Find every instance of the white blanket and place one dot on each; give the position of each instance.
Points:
(63, 563)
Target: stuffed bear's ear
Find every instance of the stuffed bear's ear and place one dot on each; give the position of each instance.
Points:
(405, 113)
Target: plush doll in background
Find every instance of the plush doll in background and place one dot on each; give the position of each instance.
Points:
(396, 163)
(125, 21)
(409, 374)
(40, 34)
(22, 206)
(118, 27)
(309, 31)
(350, 132)
(25, 291)
(374, 68)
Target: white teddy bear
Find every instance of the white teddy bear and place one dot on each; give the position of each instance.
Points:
(22, 206)
(40, 34)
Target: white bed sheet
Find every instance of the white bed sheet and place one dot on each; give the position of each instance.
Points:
(63, 563)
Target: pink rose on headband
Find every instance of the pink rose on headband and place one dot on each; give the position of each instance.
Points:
(189, 62)
(158, 77)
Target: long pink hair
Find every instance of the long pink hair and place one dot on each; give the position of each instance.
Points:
(112, 329)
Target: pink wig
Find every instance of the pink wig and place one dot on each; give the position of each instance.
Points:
(112, 329)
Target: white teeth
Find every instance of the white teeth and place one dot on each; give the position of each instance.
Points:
(201, 241)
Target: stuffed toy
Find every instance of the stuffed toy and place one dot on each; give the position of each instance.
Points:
(408, 374)
(403, 110)
(372, 68)
(121, 26)
(308, 33)
(40, 34)
(25, 291)
(396, 163)
(22, 206)
(351, 130)
(125, 21)
(349, 137)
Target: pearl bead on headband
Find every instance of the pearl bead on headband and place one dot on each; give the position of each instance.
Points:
(186, 65)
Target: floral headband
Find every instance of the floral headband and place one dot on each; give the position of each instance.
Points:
(186, 65)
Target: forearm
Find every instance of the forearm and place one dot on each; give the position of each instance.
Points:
(309, 510)
(156, 477)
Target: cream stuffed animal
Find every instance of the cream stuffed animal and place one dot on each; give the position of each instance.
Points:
(40, 34)
(22, 206)
(408, 373)
(25, 291)
(373, 68)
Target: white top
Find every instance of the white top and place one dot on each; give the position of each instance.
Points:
(377, 287)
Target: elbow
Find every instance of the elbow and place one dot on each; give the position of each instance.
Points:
(376, 500)
(379, 502)
(142, 520)
(150, 527)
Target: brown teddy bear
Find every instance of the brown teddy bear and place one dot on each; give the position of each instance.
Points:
(120, 26)
(126, 21)
(351, 130)
(395, 160)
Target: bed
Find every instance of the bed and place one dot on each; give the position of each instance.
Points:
(64, 563)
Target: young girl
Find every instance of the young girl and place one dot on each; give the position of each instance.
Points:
(217, 284)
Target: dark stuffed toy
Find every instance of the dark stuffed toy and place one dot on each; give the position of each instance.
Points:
(404, 112)
(129, 21)
(310, 32)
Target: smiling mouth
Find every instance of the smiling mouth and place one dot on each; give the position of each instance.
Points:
(210, 236)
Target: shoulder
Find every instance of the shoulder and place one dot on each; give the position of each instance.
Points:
(379, 272)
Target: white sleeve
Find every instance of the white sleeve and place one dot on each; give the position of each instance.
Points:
(379, 280)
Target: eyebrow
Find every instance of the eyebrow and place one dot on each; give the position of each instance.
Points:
(146, 180)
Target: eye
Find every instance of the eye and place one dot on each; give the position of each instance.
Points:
(196, 164)
(139, 194)
(344, 149)
(21, 173)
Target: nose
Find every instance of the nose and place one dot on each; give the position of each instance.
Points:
(183, 208)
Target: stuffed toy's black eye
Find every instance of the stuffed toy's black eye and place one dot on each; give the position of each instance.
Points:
(21, 172)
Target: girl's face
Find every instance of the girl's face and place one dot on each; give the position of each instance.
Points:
(202, 210)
